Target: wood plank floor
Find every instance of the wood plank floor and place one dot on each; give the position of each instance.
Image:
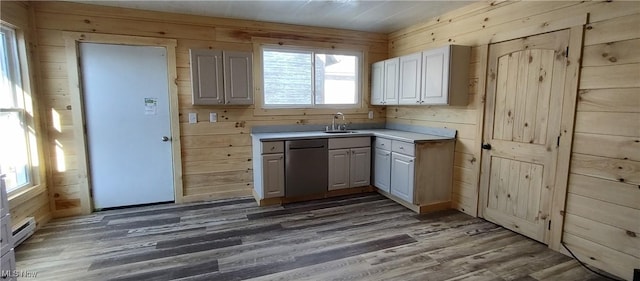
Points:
(357, 237)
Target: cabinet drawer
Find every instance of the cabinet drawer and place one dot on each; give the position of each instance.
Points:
(338, 143)
(383, 143)
(405, 148)
(272, 147)
(5, 236)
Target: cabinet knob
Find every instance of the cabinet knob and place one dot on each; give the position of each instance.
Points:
(417, 101)
(402, 147)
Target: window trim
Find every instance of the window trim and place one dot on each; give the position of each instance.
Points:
(19, 68)
(358, 53)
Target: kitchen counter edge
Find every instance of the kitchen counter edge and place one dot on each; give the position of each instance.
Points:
(384, 133)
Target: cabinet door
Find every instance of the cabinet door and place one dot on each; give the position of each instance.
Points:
(377, 83)
(207, 77)
(360, 167)
(410, 72)
(391, 78)
(273, 175)
(238, 81)
(435, 76)
(402, 172)
(382, 169)
(338, 169)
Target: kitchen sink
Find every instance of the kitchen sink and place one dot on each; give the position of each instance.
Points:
(340, 132)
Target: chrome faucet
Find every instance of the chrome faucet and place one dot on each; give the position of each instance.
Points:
(333, 121)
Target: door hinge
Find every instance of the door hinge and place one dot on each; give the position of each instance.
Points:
(558, 142)
(549, 226)
(566, 53)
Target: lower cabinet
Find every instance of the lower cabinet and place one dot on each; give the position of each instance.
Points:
(402, 171)
(268, 169)
(273, 175)
(382, 169)
(418, 174)
(349, 162)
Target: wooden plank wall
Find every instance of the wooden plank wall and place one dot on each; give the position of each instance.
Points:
(32, 201)
(216, 157)
(603, 204)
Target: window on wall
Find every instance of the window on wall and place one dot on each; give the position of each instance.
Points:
(17, 135)
(307, 78)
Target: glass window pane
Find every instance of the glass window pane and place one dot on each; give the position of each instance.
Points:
(7, 98)
(336, 79)
(14, 162)
(287, 77)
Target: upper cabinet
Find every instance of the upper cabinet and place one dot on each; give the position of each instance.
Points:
(221, 77)
(432, 77)
(445, 75)
(410, 77)
(384, 82)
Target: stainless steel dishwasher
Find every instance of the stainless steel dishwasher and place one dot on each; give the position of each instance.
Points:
(306, 170)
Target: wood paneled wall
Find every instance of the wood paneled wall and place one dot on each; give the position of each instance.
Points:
(602, 222)
(216, 157)
(31, 201)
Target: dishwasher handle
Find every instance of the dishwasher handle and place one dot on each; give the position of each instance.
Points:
(306, 147)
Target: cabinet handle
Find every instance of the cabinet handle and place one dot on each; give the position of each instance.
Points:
(402, 147)
(273, 147)
(387, 154)
(410, 161)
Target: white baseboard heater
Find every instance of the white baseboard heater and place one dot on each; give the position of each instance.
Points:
(24, 230)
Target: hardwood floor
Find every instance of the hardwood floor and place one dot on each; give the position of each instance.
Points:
(357, 237)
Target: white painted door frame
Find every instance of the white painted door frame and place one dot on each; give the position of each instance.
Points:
(72, 40)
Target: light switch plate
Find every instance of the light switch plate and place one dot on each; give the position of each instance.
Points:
(370, 114)
(193, 117)
(213, 117)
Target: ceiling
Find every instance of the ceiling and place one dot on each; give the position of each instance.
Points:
(382, 16)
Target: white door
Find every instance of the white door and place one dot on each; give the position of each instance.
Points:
(410, 72)
(126, 104)
(338, 169)
(360, 171)
(402, 169)
(382, 169)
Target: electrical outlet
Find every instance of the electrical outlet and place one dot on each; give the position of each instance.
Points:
(213, 117)
(370, 114)
(193, 117)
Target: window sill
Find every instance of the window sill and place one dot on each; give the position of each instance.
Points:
(25, 194)
(307, 111)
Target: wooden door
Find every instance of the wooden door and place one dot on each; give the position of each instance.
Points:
(377, 83)
(402, 172)
(238, 78)
(360, 167)
(410, 73)
(391, 78)
(273, 175)
(525, 87)
(338, 169)
(207, 77)
(382, 169)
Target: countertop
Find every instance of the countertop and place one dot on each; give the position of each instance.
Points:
(385, 133)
